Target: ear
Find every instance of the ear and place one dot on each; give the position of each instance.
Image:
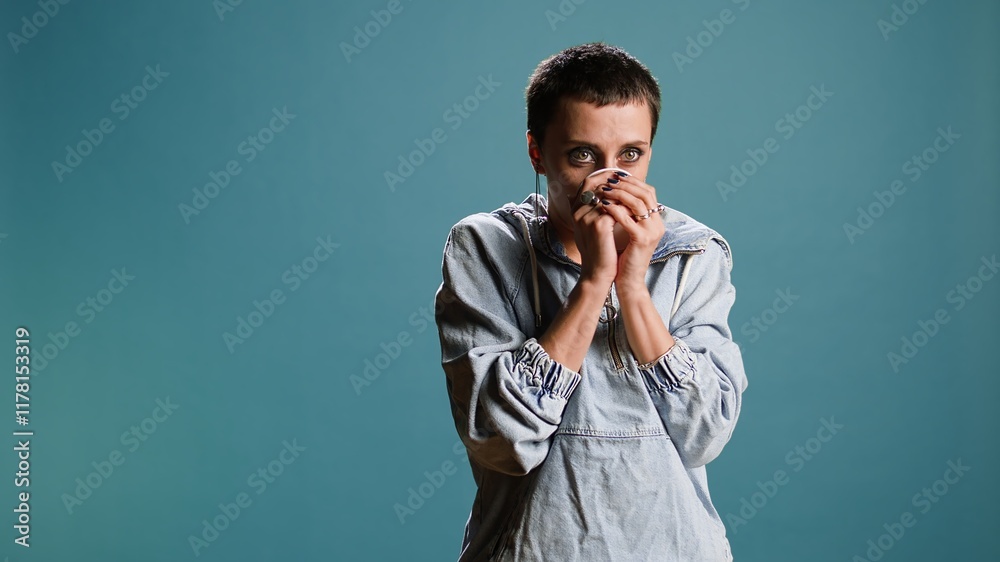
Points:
(534, 153)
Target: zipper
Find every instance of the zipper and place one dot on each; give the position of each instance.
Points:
(612, 312)
(675, 252)
(609, 306)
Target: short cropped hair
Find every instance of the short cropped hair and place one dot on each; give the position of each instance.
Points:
(594, 73)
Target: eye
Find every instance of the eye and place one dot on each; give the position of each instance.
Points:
(633, 154)
(581, 155)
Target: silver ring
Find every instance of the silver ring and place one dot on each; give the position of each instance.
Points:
(660, 207)
(588, 197)
(640, 217)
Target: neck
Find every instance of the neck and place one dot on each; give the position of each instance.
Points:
(565, 234)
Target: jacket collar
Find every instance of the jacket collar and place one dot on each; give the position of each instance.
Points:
(683, 234)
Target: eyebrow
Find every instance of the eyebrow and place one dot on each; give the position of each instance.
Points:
(632, 143)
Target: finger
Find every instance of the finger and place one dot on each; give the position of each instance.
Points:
(587, 183)
(597, 216)
(623, 198)
(623, 217)
(596, 180)
(608, 174)
(643, 231)
(599, 220)
(578, 200)
(601, 223)
(638, 196)
(640, 189)
(584, 210)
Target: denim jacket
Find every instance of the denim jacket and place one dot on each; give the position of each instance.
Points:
(605, 464)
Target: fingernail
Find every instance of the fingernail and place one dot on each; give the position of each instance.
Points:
(613, 180)
(605, 201)
(607, 188)
(622, 174)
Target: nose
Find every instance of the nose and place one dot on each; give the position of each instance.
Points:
(609, 162)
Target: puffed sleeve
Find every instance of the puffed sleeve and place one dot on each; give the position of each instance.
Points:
(697, 386)
(507, 395)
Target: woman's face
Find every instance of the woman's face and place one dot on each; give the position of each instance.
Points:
(582, 138)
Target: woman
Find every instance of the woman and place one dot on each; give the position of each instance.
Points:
(585, 341)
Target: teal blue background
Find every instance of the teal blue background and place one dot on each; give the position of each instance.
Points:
(323, 176)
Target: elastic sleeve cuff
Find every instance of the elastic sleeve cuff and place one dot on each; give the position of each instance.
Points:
(534, 367)
(674, 368)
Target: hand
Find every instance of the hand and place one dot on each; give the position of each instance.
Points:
(593, 232)
(630, 197)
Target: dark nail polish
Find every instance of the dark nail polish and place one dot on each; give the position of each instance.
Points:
(605, 188)
(622, 174)
(605, 201)
(613, 180)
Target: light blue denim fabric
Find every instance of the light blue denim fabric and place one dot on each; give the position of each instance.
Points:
(607, 464)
